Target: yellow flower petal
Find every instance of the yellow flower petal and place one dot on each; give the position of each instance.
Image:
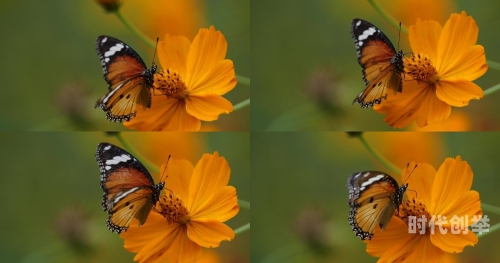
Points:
(453, 243)
(167, 114)
(467, 205)
(459, 92)
(420, 181)
(424, 37)
(453, 178)
(208, 47)
(208, 233)
(458, 34)
(470, 65)
(136, 239)
(424, 251)
(179, 175)
(219, 80)
(173, 52)
(222, 207)
(384, 240)
(210, 174)
(417, 102)
(207, 107)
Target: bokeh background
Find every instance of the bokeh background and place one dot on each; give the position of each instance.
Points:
(52, 76)
(52, 199)
(307, 69)
(299, 196)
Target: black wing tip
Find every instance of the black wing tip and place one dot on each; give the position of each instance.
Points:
(367, 104)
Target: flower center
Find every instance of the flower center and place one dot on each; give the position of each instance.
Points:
(172, 208)
(421, 69)
(415, 208)
(169, 82)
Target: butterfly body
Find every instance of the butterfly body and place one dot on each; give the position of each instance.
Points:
(381, 65)
(373, 198)
(129, 189)
(130, 81)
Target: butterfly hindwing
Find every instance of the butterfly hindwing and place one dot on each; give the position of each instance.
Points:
(373, 198)
(381, 65)
(128, 78)
(129, 189)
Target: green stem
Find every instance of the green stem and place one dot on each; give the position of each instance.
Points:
(493, 64)
(490, 230)
(241, 104)
(378, 156)
(145, 161)
(492, 90)
(244, 204)
(242, 229)
(134, 30)
(243, 80)
(388, 17)
(490, 208)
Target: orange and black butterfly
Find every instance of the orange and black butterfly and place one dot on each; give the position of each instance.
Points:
(129, 189)
(382, 65)
(373, 198)
(130, 81)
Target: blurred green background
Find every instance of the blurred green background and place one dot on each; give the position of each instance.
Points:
(299, 195)
(307, 69)
(52, 199)
(51, 74)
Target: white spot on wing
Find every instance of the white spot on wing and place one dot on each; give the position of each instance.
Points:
(358, 23)
(121, 195)
(107, 167)
(370, 181)
(107, 147)
(104, 40)
(118, 159)
(106, 60)
(114, 49)
(367, 33)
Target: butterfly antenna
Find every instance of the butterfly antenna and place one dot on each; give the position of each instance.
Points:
(162, 179)
(154, 55)
(399, 36)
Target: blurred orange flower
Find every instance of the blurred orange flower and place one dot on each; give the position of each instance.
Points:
(444, 63)
(190, 86)
(444, 193)
(189, 216)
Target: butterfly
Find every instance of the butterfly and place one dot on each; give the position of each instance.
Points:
(129, 189)
(373, 198)
(128, 77)
(382, 65)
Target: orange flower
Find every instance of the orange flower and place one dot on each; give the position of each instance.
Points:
(439, 74)
(431, 194)
(190, 214)
(191, 84)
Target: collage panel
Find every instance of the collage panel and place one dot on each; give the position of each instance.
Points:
(376, 66)
(112, 65)
(56, 186)
(322, 193)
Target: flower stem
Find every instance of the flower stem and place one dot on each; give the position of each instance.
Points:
(145, 161)
(134, 30)
(244, 204)
(378, 156)
(490, 230)
(243, 80)
(388, 17)
(242, 229)
(490, 208)
(493, 64)
(241, 104)
(492, 90)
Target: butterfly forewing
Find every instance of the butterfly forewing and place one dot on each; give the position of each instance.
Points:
(373, 198)
(128, 77)
(129, 189)
(381, 65)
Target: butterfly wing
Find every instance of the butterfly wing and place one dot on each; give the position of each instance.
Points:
(381, 64)
(129, 189)
(128, 77)
(373, 198)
